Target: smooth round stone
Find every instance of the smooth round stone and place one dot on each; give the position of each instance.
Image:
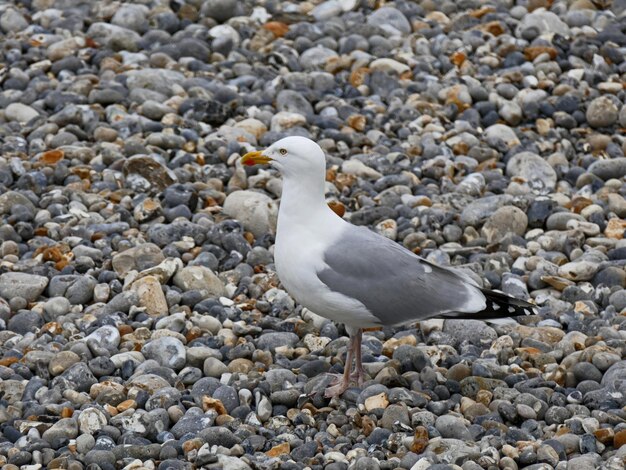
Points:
(172, 464)
(390, 19)
(378, 436)
(62, 139)
(201, 279)
(567, 103)
(56, 307)
(511, 113)
(507, 219)
(62, 361)
(61, 432)
(458, 372)
(610, 277)
(256, 211)
(194, 421)
(12, 21)
(167, 452)
(473, 331)
(608, 169)
(190, 375)
(213, 367)
(228, 396)
(19, 459)
(99, 457)
(395, 414)
(586, 462)
(602, 112)
(138, 258)
(80, 376)
(293, 102)
(271, 341)
(526, 412)
(78, 289)
(220, 10)
(105, 134)
(535, 170)
(546, 454)
(314, 368)
(452, 427)
(84, 443)
(24, 285)
(452, 233)
(603, 360)
(132, 17)
(20, 112)
(366, 463)
(582, 388)
(556, 415)
(219, 436)
(586, 371)
(559, 220)
(105, 338)
(101, 366)
(615, 375)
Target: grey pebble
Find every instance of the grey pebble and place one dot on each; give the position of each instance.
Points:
(452, 427)
(26, 286)
(167, 351)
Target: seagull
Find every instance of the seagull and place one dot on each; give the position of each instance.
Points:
(352, 275)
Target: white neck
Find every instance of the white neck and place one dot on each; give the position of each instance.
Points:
(303, 203)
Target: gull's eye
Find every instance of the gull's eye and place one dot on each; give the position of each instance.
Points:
(282, 151)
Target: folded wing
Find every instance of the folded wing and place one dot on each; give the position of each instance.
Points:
(394, 284)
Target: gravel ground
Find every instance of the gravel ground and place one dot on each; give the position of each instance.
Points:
(142, 324)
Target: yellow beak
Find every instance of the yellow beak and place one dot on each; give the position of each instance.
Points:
(255, 158)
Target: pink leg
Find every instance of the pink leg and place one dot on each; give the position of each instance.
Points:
(341, 384)
(359, 373)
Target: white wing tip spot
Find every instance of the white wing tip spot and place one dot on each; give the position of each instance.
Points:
(511, 309)
(495, 306)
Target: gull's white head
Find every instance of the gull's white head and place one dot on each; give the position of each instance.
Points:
(292, 156)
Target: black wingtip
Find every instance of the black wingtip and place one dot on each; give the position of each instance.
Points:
(498, 305)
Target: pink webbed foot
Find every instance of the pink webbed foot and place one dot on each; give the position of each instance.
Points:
(337, 388)
(358, 376)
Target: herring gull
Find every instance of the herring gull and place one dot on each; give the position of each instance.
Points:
(352, 275)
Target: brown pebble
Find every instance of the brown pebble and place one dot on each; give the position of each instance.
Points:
(420, 440)
(615, 228)
(192, 444)
(619, 439)
(337, 207)
(280, 449)
(51, 157)
(604, 435)
(209, 403)
(277, 28)
(223, 420)
(126, 404)
(368, 425)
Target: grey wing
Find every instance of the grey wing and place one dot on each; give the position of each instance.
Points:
(394, 284)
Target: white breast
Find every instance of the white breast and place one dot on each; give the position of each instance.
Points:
(299, 256)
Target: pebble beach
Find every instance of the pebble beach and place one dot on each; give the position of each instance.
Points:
(142, 323)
